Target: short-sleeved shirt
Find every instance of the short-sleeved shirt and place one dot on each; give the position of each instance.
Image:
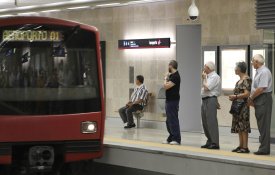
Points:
(262, 79)
(140, 93)
(174, 92)
(213, 84)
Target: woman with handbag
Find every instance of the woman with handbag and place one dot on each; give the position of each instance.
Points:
(240, 109)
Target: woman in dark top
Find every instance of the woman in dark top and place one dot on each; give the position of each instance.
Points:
(241, 122)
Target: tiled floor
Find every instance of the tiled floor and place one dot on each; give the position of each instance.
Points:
(228, 141)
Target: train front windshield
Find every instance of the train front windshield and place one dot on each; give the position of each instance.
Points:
(48, 70)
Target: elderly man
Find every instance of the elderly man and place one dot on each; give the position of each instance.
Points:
(261, 99)
(211, 88)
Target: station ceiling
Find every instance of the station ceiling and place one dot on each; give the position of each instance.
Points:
(15, 7)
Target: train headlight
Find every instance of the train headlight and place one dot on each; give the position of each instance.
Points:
(88, 127)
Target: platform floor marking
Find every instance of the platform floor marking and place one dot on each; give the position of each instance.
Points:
(189, 148)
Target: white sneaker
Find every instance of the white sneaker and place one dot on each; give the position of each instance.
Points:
(174, 143)
(165, 142)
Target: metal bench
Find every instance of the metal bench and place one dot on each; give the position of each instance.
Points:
(140, 113)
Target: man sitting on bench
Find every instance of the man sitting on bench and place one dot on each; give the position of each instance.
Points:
(138, 99)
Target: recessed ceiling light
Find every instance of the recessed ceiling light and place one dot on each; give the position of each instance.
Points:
(53, 10)
(107, 5)
(80, 0)
(80, 7)
(19, 8)
(3, 16)
(143, 1)
(27, 13)
(134, 2)
(6, 1)
(26, 7)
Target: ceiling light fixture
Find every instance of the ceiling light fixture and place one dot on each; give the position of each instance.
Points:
(108, 5)
(80, 7)
(27, 13)
(19, 8)
(4, 16)
(26, 7)
(48, 11)
(134, 2)
(6, 1)
(143, 1)
(82, 0)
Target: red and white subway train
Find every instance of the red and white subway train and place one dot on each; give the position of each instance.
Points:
(51, 95)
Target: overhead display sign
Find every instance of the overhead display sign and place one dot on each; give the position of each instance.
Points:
(144, 43)
(31, 35)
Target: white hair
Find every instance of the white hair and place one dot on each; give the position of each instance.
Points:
(210, 65)
(259, 58)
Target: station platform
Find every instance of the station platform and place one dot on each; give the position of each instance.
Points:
(142, 149)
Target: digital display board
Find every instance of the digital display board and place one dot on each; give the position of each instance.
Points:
(144, 43)
(31, 35)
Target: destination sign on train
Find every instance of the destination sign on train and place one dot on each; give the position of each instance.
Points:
(31, 35)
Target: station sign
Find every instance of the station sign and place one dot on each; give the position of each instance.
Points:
(31, 35)
(144, 43)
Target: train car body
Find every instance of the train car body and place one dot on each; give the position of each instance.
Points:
(51, 92)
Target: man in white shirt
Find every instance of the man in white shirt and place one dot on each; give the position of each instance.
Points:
(137, 102)
(261, 99)
(211, 88)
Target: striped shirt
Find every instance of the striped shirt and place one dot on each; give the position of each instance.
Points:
(140, 93)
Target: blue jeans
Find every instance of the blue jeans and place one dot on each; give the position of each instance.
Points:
(172, 121)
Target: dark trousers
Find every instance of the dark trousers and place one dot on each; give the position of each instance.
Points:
(126, 113)
(263, 112)
(210, 121)
(172, 121)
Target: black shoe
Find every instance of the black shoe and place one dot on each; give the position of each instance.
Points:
(205, 146)
(213, 146)
(236, 149)
(130, 126)
(261, 153)
(243, 150)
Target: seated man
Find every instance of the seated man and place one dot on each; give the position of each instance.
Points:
(138, 100)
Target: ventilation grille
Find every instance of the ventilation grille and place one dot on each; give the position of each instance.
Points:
(265, 14)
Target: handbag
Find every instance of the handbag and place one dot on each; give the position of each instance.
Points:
(236, 107)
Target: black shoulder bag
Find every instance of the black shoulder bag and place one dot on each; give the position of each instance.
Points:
(236, 107)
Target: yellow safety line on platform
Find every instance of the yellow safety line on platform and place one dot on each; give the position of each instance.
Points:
(189, 148)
